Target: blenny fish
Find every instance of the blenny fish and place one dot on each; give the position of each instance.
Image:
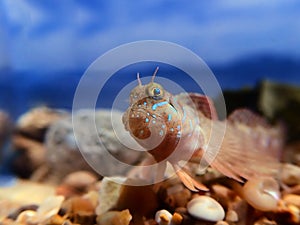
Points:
(173, 128)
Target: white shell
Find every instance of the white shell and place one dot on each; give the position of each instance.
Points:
(167, 215)
(205, 208)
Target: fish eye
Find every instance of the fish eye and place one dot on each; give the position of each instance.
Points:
(155, 91)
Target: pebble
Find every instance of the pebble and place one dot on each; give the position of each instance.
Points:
(292, 199)
(35, 122)
(26, 216)
(14, 215)
(174, 196)
(262, 193)
(232, 216)
(28, 139)
(164, 217)
(49, 207)
(205, 208)
(290, 174)
(109, 194)
(80, 180)
(114, 218)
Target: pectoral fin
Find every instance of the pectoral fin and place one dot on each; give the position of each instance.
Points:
(188, 181)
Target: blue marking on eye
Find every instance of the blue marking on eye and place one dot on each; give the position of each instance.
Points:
(178, 127)
(145, 103)
(169, 117)
(146, 120)
(159, 104)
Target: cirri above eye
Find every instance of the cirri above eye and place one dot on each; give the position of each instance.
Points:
(155, 91)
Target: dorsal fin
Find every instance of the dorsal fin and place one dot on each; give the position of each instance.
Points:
(202, 103)
(246, 117)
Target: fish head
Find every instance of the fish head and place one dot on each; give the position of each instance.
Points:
(151, 115)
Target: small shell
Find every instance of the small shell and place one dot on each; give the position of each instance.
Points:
(50, 207)
(26, 216)
(232, 216)
(262, 193)
(163, 217)
(205, 208)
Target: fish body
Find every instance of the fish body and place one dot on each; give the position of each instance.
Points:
(175, 128)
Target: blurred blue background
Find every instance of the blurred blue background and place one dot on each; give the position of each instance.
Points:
(45, 46)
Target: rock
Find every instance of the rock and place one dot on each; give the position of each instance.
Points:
(225, 196)
(109, 194)
(115, 218)
(26, 217)
(76, 183)
(232, 216)
(292, 199)
(64, 151)
(30, 156)
(80, 180)
(35, 122)
(14, 215)
(79, 210)
(141, 201)
(265, 221)
(164, 217)
(205, 208)
(173, 193)
(45, 211)
(28, 139)
(290, 174)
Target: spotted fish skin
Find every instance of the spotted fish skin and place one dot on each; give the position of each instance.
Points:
(174, 128)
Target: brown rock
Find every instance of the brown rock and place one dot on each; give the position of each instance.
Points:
(292, 199)
(80, 180)
(290, 174)
(115, 218)
(173, 194)
(35, 122)
(28, 139)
